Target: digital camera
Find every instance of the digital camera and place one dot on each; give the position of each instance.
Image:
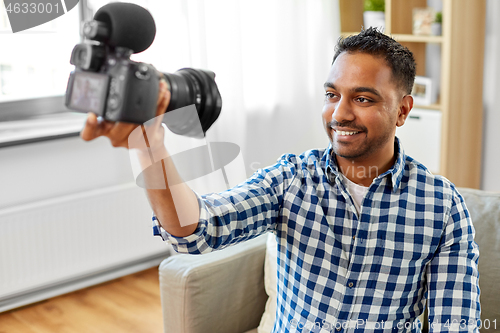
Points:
(106, 82)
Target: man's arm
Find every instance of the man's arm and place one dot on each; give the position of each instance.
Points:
(175, 206)
(452, 275)
(240, 213)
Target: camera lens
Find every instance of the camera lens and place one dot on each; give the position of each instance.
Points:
(193, 86)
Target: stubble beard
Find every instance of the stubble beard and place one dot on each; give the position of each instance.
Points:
(361, 151)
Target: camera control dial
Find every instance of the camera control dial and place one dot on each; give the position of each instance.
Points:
(142, 72)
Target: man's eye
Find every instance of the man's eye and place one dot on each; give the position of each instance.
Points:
(329, 95)
(363, 100)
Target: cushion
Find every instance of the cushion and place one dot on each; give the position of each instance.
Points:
(270, 284)
(484, 208)
(222, 291)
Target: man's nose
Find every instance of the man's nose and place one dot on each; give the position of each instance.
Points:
(343, 111)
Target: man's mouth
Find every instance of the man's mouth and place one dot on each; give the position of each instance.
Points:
(346, 132)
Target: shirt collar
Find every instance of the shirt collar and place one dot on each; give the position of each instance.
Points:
(395, 173)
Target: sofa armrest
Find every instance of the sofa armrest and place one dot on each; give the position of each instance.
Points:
(484, 208)
(222, 291)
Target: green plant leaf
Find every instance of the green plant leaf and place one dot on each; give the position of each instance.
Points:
(374, 5)
(439, 17)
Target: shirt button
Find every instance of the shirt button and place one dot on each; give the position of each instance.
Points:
(339, 328)
(353, 237)
(351, 284)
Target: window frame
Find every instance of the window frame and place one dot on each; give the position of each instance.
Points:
(25, 109)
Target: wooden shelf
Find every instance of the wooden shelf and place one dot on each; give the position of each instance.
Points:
(417, 38)
(406, 38)
(436, 107)
(345, 34)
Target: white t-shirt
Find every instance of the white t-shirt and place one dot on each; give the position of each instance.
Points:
(357, 193)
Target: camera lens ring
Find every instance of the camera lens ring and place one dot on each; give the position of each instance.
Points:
(211, 102)
(194, 86)
(204, 107)
(182, 90)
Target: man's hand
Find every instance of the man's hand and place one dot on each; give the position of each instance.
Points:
(119, 132)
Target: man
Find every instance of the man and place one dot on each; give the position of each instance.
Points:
(365, 233)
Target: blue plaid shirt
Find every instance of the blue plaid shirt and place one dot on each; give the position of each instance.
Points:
(342, 271)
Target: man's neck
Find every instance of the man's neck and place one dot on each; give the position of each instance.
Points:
(363, 172)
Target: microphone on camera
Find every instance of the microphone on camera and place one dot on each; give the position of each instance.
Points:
(120, 24)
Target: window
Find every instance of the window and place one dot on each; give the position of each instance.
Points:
(34, 64)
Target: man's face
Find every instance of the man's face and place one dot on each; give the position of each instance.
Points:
(362, 107)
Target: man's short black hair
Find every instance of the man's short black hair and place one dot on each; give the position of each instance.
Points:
(398, 58)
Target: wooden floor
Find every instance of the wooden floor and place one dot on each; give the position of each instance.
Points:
(129, 304)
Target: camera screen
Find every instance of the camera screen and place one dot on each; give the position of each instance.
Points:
(89, 92)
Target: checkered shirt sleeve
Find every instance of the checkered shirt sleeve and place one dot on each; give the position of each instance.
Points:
(452, 275)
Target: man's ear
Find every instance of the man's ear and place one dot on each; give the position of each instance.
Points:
(404, 109)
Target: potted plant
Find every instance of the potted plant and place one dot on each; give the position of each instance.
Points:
(374, 14)
(436, 27)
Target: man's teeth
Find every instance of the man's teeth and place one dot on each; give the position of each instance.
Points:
(346, 133)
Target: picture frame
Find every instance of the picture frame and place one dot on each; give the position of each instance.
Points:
(422, 91)
(422, 21)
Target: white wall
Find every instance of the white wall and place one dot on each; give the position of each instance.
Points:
(491, 133)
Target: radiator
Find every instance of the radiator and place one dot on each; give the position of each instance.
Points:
(58, 245)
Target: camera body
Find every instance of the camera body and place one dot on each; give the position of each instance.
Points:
(114, 87)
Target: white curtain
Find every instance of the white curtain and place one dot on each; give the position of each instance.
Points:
(271, 58)
(491, 84)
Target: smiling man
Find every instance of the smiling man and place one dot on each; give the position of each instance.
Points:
(366, 235)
